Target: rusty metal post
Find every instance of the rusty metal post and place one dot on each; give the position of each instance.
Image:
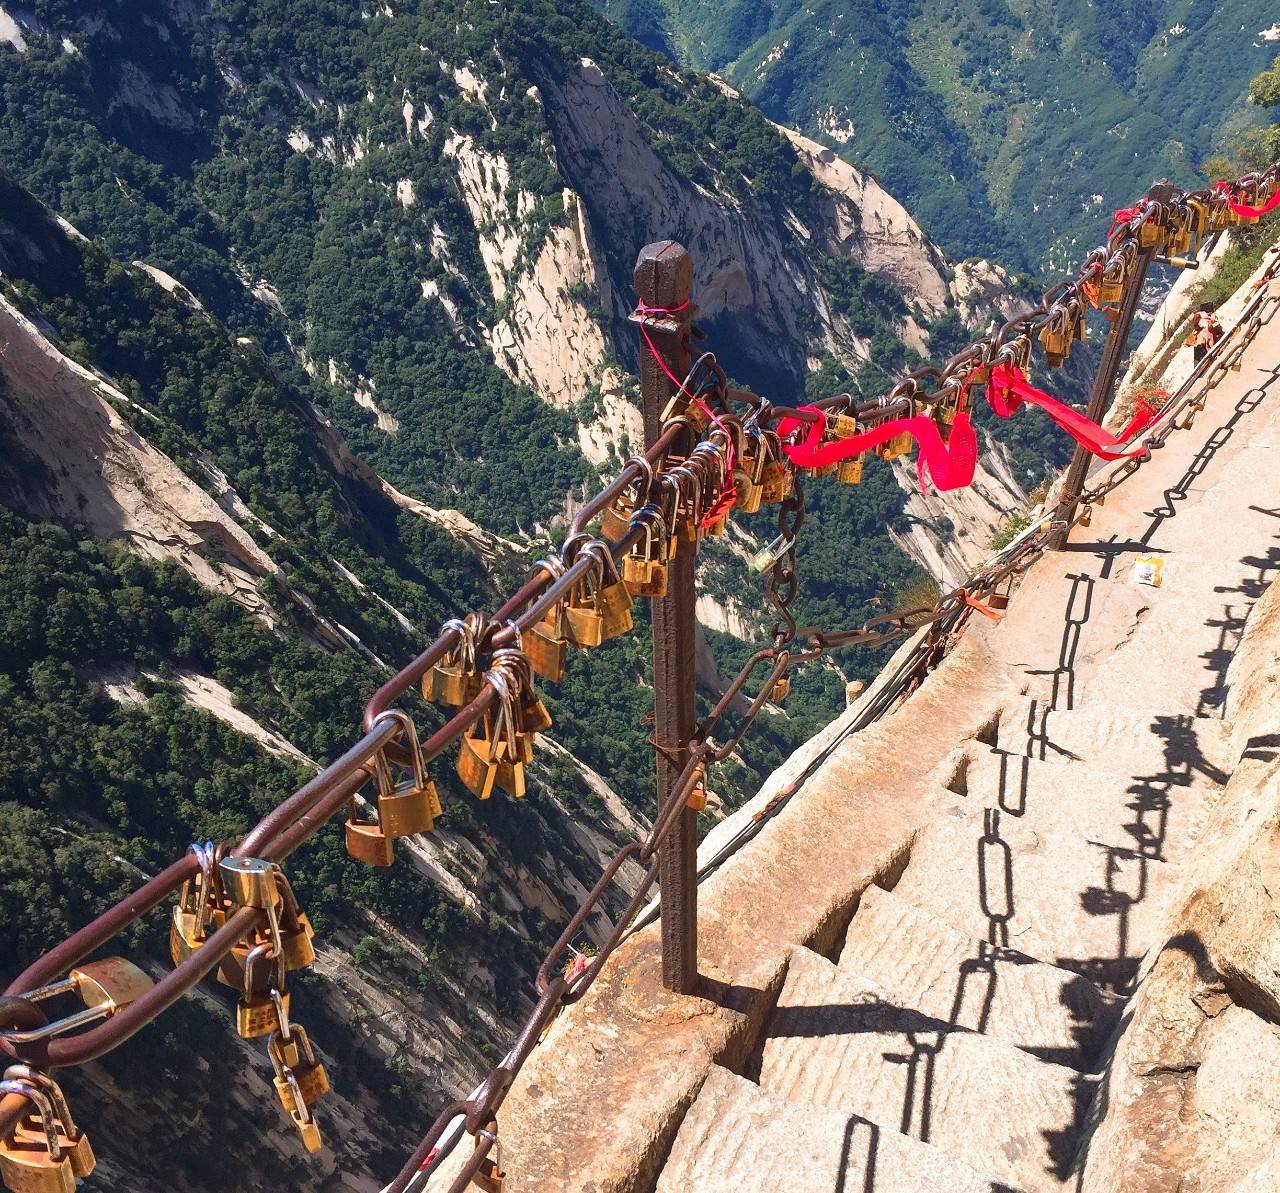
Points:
(664, 280)
(1104, 383)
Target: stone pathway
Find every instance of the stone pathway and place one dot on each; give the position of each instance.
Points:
(955, 1039)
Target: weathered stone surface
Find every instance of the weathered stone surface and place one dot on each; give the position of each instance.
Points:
(925, 965)
(838, 1040)
(737, 1139)
(1089, 905)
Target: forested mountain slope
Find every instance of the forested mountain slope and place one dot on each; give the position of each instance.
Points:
(312, 331)
(981, 113)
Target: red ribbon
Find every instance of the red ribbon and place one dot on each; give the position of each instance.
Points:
(1249, 213)
(949, 464)
(729, 492)
(1009, 388)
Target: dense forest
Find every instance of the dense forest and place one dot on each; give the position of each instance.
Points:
(1007, 129)
(171, 137)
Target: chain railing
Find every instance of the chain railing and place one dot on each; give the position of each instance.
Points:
(712, 450)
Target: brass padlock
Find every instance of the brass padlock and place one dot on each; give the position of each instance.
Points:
(300, 1081)
(110, 984)
(644, 568)
(412, 805)
(1056, 341)
(201, 908)
(781, 689)
(1112, 286)
(455, 680)
(476, 766)
(547, 646)
(367, 843)
(777, 483)
(1150, 234)
(899, 445)
(696, 800)
(250, 882)
(600, 608)
(616, 519)
(46, 1152)
(747, 477)
(259, 1011)
(850, 470)
(490, 1178)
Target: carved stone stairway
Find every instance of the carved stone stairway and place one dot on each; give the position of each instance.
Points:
(954, 1042)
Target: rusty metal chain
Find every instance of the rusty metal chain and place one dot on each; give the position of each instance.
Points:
(706, 455)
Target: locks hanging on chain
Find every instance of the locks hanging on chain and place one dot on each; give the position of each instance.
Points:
(1112, 286)
(748, 477)
(644, 568)
(46, 1153)
(105, 987)
(1056, 337)
(599, 607)
(201, 908)
(892, 449)
(777, 482)
(849, 470)
(495, 750)
(264, 999)
(300, 1081)
(1151, 235)
(404, 808)
(455, 679)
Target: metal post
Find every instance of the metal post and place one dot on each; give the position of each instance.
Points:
(1104, 383)
(664, 280)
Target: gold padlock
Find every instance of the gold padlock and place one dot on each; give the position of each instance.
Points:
(259, 1011)
(747, 476)
(696, 800)
(455, 679)
(777, 483)
(644, 568)
(899, 445)
(46, 1152)
(476, 765)
(616, 519)
(250, 882)
(1150, 234)
(600, 608)
(1112, 286)
(850, 470)
(367, 843)
(781, 689)
(412, 805)
(1056, 341)
(300, 1081)
(547, 646)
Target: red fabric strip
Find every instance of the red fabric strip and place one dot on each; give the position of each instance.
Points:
(950, 465)
(1249, 213)
(1009, 388)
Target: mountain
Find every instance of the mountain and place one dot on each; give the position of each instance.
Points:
(1007, 128)
(312, 334)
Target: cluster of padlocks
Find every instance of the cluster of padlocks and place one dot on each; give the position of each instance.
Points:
(47, 1152)
(258, 967)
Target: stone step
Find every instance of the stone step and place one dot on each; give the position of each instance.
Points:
(735, 1138)
(1058, 894)
(1151, 740)
(838, 1040)
(925, 965)
(1103, 800)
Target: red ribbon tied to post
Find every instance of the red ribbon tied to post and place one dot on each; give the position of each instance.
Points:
(1009, 388)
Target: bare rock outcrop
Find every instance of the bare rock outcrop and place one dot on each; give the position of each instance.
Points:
(71, 457)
